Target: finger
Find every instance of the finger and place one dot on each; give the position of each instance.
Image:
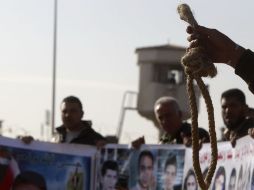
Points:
(194, 43)
(203, 30)
(27, 139)
(193, 37)
(233, 142)
(189, 29)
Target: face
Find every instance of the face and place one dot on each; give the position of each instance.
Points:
(168, 117)
(233, 112)
(219, 182)
(71, 115)
(109, 180)
(169, 177)
(145, 171)
(231, 185)
(191, 183)
(26, 187)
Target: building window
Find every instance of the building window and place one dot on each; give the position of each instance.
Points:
(167, 74)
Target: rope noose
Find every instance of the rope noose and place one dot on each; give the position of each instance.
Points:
(196, 65)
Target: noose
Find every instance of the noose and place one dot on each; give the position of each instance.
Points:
(196, 65)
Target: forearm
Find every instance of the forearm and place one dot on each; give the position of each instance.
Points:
(236, 53)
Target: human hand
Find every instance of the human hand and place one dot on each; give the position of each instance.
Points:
(138, 142)
(219, 47)
(27, 139)
(100, 144)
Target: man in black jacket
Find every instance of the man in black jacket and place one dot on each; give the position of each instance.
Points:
(175, 130)
(74, 129)
(169, 117)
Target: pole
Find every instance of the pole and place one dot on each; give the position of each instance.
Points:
(54, 68)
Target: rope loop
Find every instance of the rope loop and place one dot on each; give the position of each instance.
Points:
(196, 65)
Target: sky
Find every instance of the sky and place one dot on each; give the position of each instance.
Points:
(96, 59)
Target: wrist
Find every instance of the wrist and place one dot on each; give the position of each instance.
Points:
(235, 55)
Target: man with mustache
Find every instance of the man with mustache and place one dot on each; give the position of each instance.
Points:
(234, 113)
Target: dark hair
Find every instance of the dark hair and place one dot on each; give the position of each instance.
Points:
(170, 161)
(220, 171)
(73, 99)
(109, 164)
(189, 173)
(30, 177)
(145, 153)
(233, 172)
(234, 93)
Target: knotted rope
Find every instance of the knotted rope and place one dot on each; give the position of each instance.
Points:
(196, 65)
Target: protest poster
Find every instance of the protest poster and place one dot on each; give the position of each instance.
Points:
(62, 166)
(151, 166)
(80, 167)
(234, 168)
(113, 166)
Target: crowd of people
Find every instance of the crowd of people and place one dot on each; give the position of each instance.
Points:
(236, 114)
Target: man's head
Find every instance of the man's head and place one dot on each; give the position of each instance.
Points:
(168, 114)
(145, 168)
(233, 107)
(170, 170)
(29, 180)
(72, 112)
(109, 174)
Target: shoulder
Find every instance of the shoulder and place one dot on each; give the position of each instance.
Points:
(87, 123)
(88, 130)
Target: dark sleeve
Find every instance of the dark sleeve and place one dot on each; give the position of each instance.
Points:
(97, 136)
(245, 68)
(88, 136)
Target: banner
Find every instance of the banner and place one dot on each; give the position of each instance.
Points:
(161, 167)
(56, 166)
(154, 167)
(234, 165)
